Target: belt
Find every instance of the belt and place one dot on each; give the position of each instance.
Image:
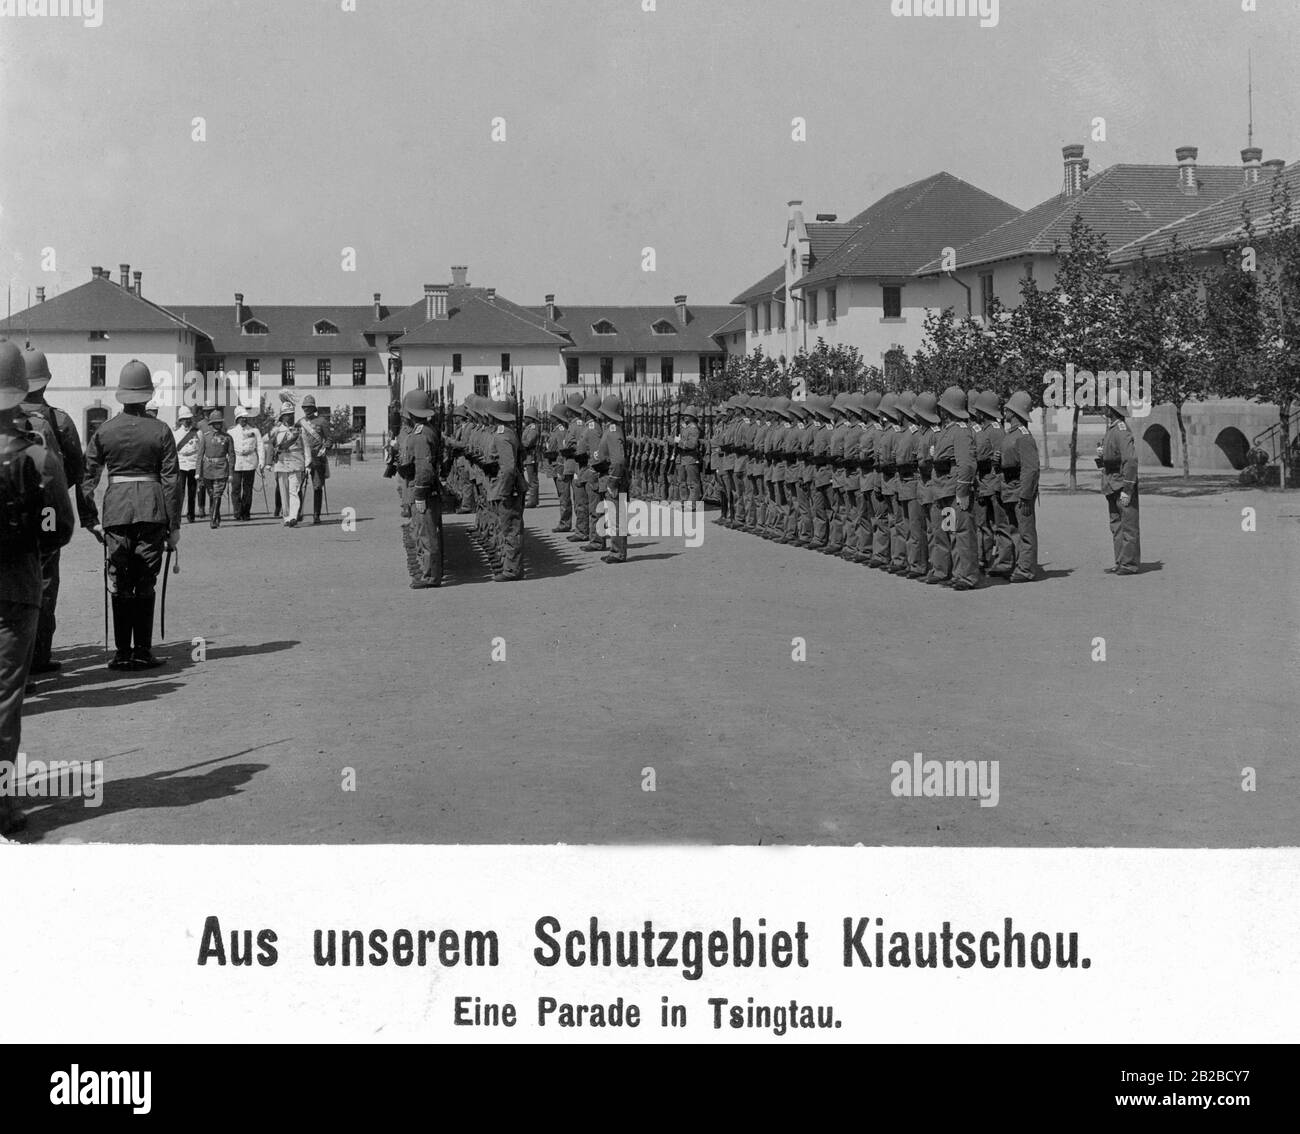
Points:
(943, 468)
(1112, 466)
(150, 477)
(983, 468)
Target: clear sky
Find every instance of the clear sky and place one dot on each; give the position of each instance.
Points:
(372, 129)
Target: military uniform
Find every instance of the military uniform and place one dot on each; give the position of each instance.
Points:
(1018, 481)
(141, 512)
(563, 480)
(575, 462)
(529, 447)
(315, 441)
(419, 461)
(1119, 484)
(989, 513)
(954, 554)
(909, 530)
(505, 491)
(925, 410)
(689, 486)
(611, 462)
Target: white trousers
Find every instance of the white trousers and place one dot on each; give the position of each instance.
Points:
(290, 486)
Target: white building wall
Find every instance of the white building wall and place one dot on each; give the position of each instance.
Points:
(540, 368)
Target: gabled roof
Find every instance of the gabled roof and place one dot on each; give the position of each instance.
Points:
(1123, 202)
(901, 232)
(732, 325)
(97, 305)
(766, 288)
(1220, 224)
(474, 320)
(404, 320)
(635, 329)
(290, 329)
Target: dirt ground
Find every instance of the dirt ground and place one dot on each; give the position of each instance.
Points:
(320, 659)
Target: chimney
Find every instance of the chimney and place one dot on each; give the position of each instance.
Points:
(40, 295)
(1073, 156)
(1186, 156)
(125, 269)
(94, 272)
(1250, 157)
(827, 217)
(491, 295)
(550, 307)
(435, 301)
(796, 211)
(136, 276)
(1273, 165)
(239, 309)
(378, 315)
(680, 300)
(1083, 172)
(458, 274)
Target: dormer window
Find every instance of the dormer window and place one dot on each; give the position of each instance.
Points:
(254, 327)
(663, 327)
(604, 327)
(324, 327)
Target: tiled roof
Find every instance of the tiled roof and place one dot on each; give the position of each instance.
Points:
(735, 323)
(906, 228)
(1123, 202)
(476, 321)
(1219, 224)
(289, 328)
(97, 305)
(766, 288)
(635, 329)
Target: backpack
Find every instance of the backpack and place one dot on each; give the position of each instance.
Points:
(22, 501)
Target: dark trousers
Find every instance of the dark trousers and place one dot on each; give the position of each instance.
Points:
(581, 520)
(1004, 540)
(241, 492)
(426, 532)
(203, 495)
(564, 490)
(18, 623)
(881, 519)
(688, 481)
(983, 508)
(510, 540)
(821, 514)
(216, 490)
(916, 538)
(533, 482)
(1024, 525)
(189, 481)
(135, 554)
(1124, 531)
(595, 511)
(49, 600)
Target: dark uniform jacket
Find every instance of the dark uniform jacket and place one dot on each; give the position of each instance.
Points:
(421, 458)
(1118, 460)
(69, 447)
(1019, 463)
(954, 461)
(20, 571)
(502, 459)
(906, 466)
(688, 448)
(611, 458)
(988, 453)
(135, 446)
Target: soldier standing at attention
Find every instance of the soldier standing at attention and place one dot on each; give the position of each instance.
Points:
(1019, 487)
(611, 456)
(870, 475)
(954, 487)
(141, 512)
(505, 491)
(823, 473)
(595, 479)
(420, 459)
(68, 451)
(554, 451)
(31, 488)
(852, 449)
(989, 513)
(905, 545)
(314, 441)
(1117, 459)
(576, 458)
(688, 456)
(724, 461)
(886, 487)
(529, 446)
(926, 411)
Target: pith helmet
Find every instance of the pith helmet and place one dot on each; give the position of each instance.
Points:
(1021, 405)
(134, 384)
(612, 408)
(781, 407)
(38, 369)
(841, 404)
(185, 414)
(458, 411)
(926, 407)
(953, 401)
(418, 404)
(502, 411)
(888, 407)
(690, 411)
(906, 400)
(855, 406)
(245, 411)
(592, 406)
(13, 376)
(575, 402)
(986, 403)
(216, 417)
(531, 414)
(308, 402)
(871, 403)
(798, 411)
(560, 411)
(286, 410)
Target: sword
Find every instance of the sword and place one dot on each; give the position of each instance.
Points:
(104, 544)
(162, 614)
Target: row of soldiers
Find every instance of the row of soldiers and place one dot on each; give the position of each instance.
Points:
(938, 489)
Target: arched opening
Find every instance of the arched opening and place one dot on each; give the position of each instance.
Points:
(1156, 447)
(1233, 444)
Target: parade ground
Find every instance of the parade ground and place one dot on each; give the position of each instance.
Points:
(309, 696)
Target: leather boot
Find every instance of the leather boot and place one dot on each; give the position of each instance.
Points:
(142, 654)
(316, 494)
(122, 611)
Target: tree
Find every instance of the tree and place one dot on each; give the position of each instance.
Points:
(754, 373)
(826, 369)
(1165, 334)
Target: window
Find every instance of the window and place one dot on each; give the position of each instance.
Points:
(753, 319)
(482, 386)
(253, 327)
(324, 327)
(359, 419)
(394, 369)
(252, 366)
(780, 315)
(322, 372)
(830, 305)
(606, 371)
(98, 369)
(505, 363)
(571, 371)
(288, 368)
(812, 308)
(666, 371)
(358, 372)
(215, 365)
(640, 368)
(767, 317)
(892, 302)
(986, 295)
(99, 336)
(455, 364)
(663, 327)
(603, 327)
(1029, 269)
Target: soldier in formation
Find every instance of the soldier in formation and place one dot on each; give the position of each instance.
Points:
(419, 462)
